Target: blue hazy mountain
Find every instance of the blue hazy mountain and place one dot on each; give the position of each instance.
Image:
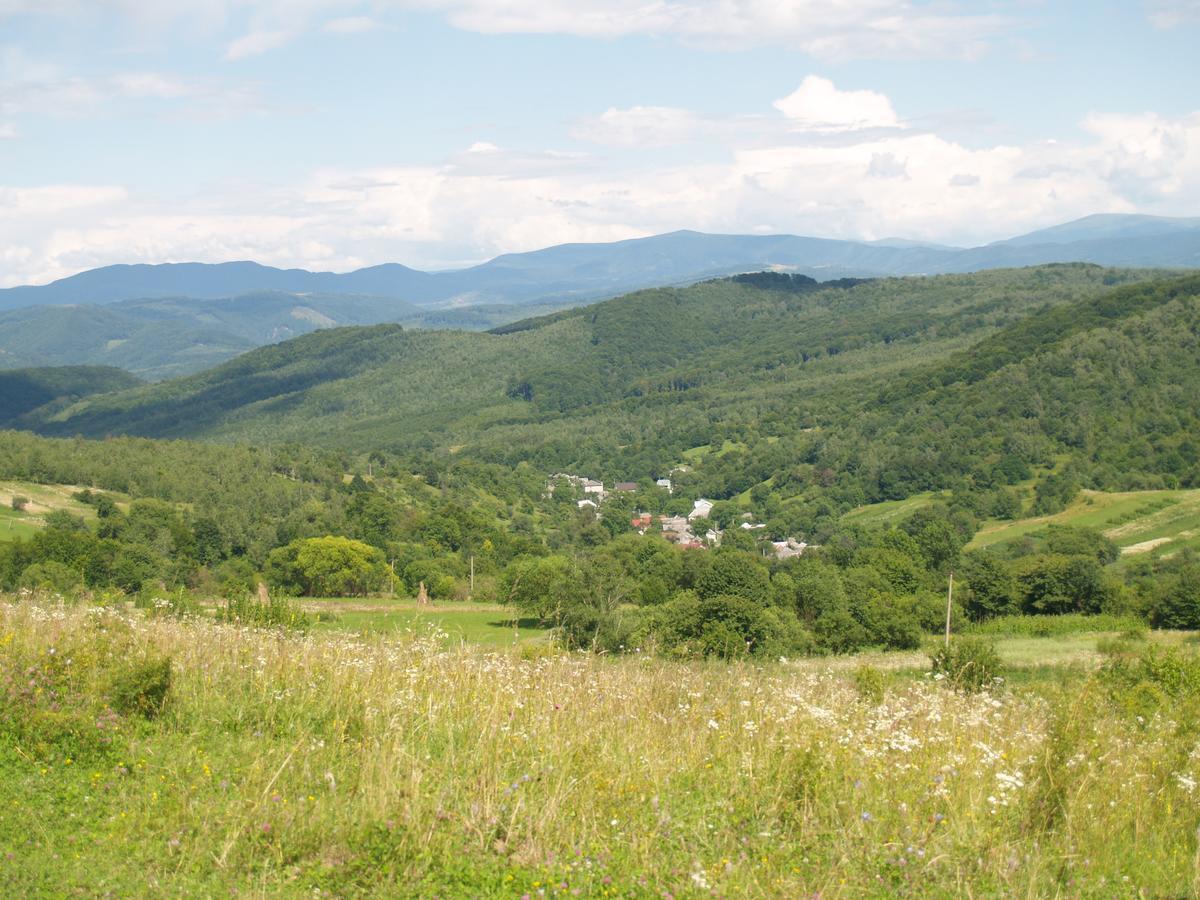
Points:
(580, 272)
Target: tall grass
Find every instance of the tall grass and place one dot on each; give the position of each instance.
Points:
(284, 763)
(1055, 626)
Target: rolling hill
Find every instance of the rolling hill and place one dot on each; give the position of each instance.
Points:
(888, 388)
(23, 390)
(157, 339)
(177, 319)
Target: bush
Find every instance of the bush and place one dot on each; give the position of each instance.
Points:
(326, 567)
(839, 632)
(870, 684)
(893, 625)
(1177, 599)
(19, 503)
(969, 664)
(142, 689)
(725, 626)
(51, 576)
(733, 573)
(275, 612)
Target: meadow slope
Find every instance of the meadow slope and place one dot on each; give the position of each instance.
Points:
(280, 764)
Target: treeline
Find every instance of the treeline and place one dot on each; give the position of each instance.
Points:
(213, 521)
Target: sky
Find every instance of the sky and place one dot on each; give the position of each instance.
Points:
(335, 134)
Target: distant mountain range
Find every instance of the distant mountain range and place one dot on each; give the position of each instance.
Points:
(171, 336)
(170, 319)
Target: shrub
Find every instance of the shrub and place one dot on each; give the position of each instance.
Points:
(839, 632)
(733, 573)
(275, 612)
(326, 567)
(1177, 599)
(870, 684)
(51, 576)
(725, 626)
(969, 664)
(142, 689)
(893, 625)
(19, 503)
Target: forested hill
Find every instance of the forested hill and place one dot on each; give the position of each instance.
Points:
(875, 390)
(23, 390)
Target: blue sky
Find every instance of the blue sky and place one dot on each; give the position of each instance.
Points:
(338, 133)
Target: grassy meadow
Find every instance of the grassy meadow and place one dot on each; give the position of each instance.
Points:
(404, 764)
(485, 624)
(1139, 522)
(43, 498)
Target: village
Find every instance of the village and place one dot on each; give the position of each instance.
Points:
(693, 531)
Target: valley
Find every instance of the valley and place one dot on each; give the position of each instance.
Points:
(702, 534)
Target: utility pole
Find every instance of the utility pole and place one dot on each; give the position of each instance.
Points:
(949, 602)
(392, 578)
(472, 575)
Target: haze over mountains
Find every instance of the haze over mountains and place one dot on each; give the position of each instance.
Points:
(172, 319)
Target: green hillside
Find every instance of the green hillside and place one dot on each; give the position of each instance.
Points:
(825, 400)
(24, 390)
(718, 348)
(1156, 523)
(173, 336)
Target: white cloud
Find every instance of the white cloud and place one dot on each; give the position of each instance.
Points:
(641, 126)
(1173, 13)
(351, 25)
(256, 42)
(55, 199)
(817, 105)
(828, 29)
(30, 88)
(887, 165)
(150, 84)
(488, 199)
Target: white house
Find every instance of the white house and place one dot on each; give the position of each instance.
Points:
(700, 509)
(664, 483)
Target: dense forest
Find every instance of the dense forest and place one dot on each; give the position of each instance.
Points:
(997, 395)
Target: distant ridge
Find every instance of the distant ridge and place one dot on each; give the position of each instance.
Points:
(582, 272)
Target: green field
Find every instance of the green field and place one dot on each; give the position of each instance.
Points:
(1154, 522)
(43, 498)
(290, 764)
(15, 525)
(489, 625)
(890, 512)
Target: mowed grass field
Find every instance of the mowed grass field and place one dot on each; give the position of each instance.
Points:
(484, 624)
(1150, 522)
(43, 498)
(1157, 523)
(495, 626)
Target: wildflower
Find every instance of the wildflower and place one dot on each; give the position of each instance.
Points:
(714, 725)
